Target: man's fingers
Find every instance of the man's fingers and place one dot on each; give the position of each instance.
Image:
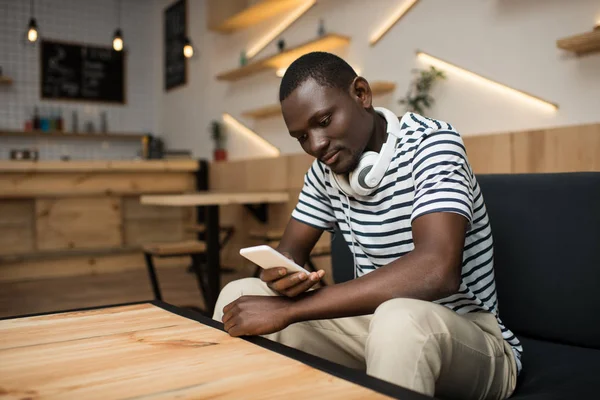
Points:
(283, 284)
(304, 286)
(228, 307)
(229, 324)
(272, 274)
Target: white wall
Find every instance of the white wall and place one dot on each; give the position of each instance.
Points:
(86, 21)
(510, 41)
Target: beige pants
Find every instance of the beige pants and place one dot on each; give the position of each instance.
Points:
(412, 343)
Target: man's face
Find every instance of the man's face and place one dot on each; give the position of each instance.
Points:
(330, 124)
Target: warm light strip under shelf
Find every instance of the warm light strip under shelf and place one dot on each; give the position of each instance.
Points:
(391, 21)
(444, 65)
(250, 134)
(282, 26)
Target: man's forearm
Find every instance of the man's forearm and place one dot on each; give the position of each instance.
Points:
(413, 276)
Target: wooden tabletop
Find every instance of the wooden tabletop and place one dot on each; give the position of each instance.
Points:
(148, 351)
(215, 198)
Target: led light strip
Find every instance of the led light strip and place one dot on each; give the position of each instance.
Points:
(444, 65)
(238, 126)
(395, 17)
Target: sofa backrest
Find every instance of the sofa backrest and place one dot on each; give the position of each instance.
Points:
(546, 230)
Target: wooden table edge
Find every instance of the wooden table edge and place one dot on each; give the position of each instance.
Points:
(348, 374)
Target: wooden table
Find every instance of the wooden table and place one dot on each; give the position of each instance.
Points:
(209, 202)
(158, 351)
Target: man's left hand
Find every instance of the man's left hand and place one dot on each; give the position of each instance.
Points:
(257, 315)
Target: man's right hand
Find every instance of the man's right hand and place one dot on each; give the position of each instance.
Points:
(290, 285)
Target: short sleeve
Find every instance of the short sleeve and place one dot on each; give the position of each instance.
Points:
(442, 176)
(314, 205)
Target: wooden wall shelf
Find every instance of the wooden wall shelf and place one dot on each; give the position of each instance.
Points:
(584, 43)
(286, 57)
(79, 136)
(263, 112)
(255, 14)
(5, 80)
(377, 87)
(382, 87)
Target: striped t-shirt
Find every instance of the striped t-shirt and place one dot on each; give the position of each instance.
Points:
(428, 173)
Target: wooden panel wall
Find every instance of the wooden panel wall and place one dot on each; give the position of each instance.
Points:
(564, 149)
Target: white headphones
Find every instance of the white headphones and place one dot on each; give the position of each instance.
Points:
(371, 168)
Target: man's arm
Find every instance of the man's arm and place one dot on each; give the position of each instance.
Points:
(430, 272)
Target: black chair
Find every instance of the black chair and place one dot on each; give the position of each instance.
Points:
(546, 230)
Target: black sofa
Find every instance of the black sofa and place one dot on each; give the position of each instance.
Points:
(546, 231)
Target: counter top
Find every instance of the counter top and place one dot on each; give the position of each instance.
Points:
(100, 166)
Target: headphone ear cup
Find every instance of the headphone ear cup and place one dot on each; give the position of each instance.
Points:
(358, 175)
(342, 184)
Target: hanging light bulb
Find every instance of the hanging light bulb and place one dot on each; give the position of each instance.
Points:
(118, 40)
(118, 37)
(32, 31)
(188, 49)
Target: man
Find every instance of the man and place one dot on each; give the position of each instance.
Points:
(422, 310)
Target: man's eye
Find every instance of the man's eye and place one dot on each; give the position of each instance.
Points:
(302, 138)
(325, 121)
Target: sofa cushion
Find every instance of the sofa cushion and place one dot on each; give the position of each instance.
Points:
(546, 230)
(555, 371)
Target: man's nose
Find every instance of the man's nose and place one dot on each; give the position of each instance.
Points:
(318, 144)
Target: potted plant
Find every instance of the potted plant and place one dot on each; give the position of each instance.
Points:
(218, 135)
(417, 97)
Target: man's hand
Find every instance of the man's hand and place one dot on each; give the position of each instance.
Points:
(290, 285)
(257, 315)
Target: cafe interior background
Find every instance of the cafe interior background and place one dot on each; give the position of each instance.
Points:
(86, 131)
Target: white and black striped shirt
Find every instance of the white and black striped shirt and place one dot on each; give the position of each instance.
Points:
(429, 173)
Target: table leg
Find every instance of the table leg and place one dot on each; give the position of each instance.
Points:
(213, 262)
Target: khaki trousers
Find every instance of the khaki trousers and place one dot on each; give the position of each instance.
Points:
(415, 344)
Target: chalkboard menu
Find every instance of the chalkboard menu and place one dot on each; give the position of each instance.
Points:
(175, 34)
(82, 72)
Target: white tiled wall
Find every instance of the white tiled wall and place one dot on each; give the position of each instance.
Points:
(86, 21)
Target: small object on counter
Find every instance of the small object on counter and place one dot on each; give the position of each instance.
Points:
(156, 149)
(28, 125)
(243, 58)
(36, 119)
(103, 122)
(24, 154)
(281, 45)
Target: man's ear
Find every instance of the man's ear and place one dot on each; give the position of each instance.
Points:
(361, 92)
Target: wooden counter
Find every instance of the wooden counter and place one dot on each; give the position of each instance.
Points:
(66, 219)
(99, 166)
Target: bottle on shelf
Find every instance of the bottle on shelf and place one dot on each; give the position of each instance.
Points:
(74, 122)
(44, 120)
(59, 121)
(36, 119)
(51, 119)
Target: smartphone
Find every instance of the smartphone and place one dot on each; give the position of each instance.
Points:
(266, 257)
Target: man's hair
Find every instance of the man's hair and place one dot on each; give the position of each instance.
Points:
(325, 68)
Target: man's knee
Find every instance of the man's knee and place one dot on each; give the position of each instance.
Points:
(399, 318)
(236, 289)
